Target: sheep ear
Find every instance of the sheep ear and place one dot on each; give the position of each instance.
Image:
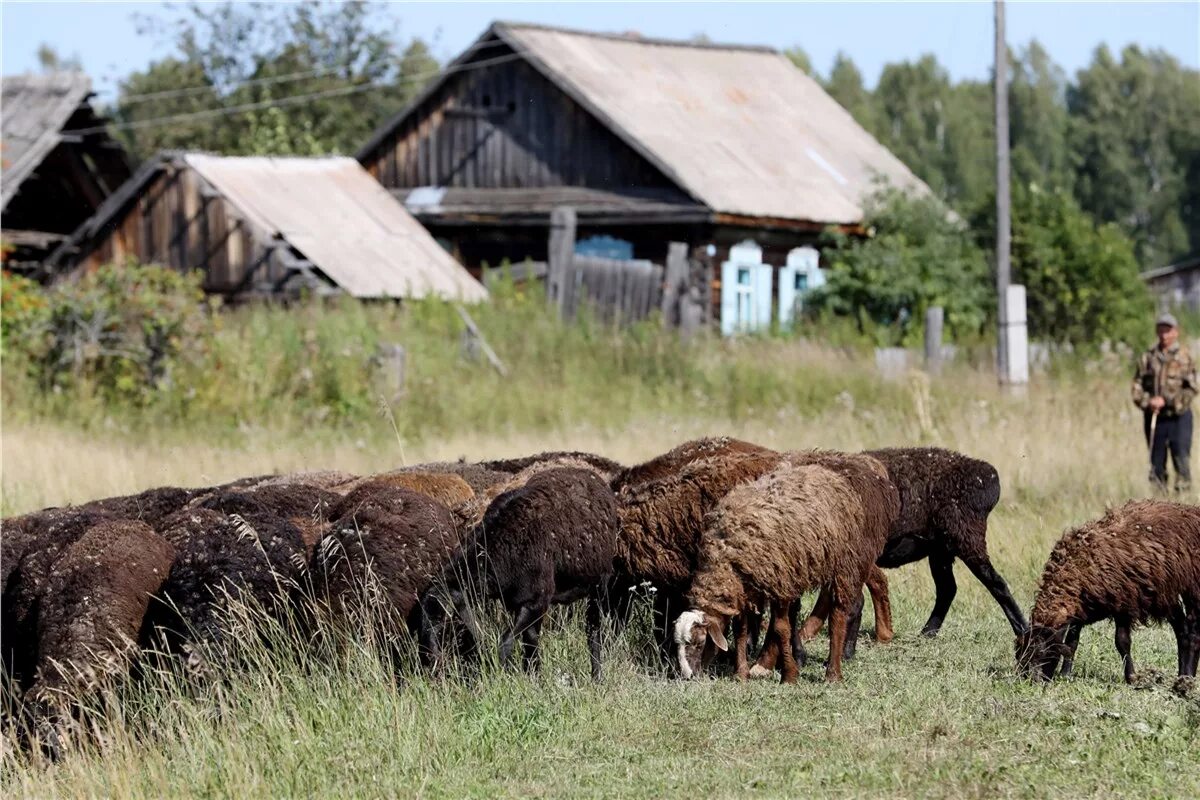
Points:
(716, 633)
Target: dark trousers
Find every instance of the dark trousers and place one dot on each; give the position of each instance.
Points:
(1172, 433)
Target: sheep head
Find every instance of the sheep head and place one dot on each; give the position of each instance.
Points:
(697, 637)
(1039, 651)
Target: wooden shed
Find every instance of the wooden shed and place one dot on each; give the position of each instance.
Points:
(1176, 286)
(648, 140)
(57, 163)
(265, 226)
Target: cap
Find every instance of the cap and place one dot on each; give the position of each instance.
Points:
(1167, 319)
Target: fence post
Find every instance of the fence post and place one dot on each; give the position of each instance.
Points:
(561, 253)
(934, 316)
(397, 358)
(675, 283)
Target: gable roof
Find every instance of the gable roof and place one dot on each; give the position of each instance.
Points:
(330, 210)
(33, 111)
(740, 129)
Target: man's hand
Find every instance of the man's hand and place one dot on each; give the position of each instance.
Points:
(1157, 403)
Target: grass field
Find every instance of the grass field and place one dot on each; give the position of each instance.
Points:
(915, 718)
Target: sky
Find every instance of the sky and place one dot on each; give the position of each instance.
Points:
(103, 36)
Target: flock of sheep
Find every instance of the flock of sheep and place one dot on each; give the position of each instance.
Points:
(725, 531)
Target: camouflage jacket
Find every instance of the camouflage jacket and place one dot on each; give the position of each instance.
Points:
(1170, 374)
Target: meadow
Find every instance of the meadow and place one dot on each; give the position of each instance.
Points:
(918, 717)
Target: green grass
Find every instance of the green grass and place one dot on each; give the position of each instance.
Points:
(915, 718)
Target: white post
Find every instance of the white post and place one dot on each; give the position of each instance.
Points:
(1016, 336)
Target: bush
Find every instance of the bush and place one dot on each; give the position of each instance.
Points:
(120, 330)
(916, 257)
(1081, 280)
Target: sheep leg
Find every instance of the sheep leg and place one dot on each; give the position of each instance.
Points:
(981, 567)
(798, 651)
(531, 636)
(853, 626)
(877, 583)
(664, 604)
(812, 625)
(1123, 639)
(765, 665)
(1183, 637)
(782, 629)
(525, 616)
(941, 567)
(838, 620)
(1072, 644)
(741, 637)
(593, 636)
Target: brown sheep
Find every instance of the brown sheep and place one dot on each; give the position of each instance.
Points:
(550, 540)
(95, 601)
(670, 463)
(798, 528)
(1137, 564)
(946, 498)
(447, 488)
(384, 538)
(306, 507)
(605, 466)
(479, 478)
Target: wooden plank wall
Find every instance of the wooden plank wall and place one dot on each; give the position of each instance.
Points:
(618, 291)
(177, 222)
(506, 126)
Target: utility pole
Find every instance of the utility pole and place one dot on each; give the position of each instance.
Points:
(1003, 200)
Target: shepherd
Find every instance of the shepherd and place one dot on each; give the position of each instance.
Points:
(1163, 387)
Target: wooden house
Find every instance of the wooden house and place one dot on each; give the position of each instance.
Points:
(265, 226)
(57, 163)
(1176, 286)
(648, 140)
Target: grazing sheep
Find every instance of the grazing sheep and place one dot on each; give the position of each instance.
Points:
(384, 549)
(671, 462)
(151, 506)
(447, 488)
(605, 466)
(258, 557)
(550, 540)
(798, 528)
(321, 479)
(94, 604)
(28, 549)
(662, 522)
(1139, 563)
(478, 477)
(945, 500)
(307, 507)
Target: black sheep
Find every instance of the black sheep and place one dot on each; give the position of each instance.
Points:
(389, 538)
(945, 500)
(606, 466)
(255, 556)
(549, 541)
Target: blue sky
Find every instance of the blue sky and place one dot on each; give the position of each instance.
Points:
(959, 33)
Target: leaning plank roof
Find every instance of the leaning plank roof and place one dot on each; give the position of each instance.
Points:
(738, 128)
(33, 111)
(343, 221)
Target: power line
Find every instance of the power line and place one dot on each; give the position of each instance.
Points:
(290, 100)
(186, 91)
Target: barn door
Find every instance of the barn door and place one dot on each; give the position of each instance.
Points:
(745, 290)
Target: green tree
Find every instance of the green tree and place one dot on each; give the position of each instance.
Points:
(1081, 279)
(1038, 119)
(917, 256)
(800, 58)
(1133, 141)
(845, 85)
(318, 77)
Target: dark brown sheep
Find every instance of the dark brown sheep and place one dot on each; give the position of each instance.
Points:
(447, 488)
(151, 506)
(307, 507)
(384, 549)
(606, 466)
(94, 605)
(255, 557)
(30, 546)
(1139, 563)
(548, 541)
(670, 463)
(798, 528)
(945, 499)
